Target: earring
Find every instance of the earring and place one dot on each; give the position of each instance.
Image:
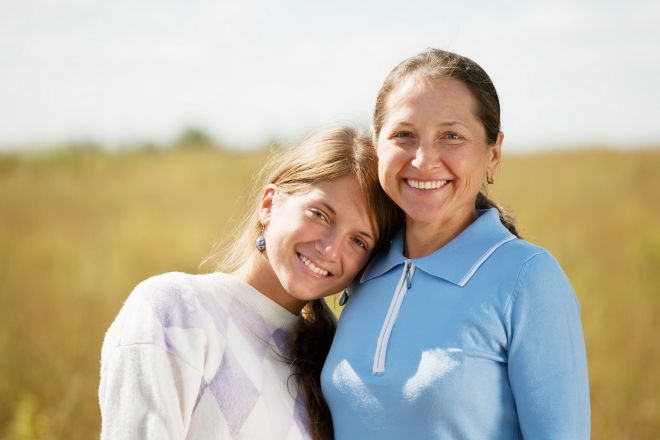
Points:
(344, 297)
(489, 178)
(261, 243)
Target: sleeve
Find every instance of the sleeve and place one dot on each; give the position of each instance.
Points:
(146, 393)
(547, 359)
(151, 370)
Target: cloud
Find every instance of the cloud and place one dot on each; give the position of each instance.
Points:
(572, 73)
(143, 69)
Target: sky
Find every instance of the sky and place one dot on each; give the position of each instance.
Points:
(569, 73)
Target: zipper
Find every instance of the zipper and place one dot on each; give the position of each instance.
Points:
(395, 305)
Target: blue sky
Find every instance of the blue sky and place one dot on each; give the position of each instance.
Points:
(568, 72)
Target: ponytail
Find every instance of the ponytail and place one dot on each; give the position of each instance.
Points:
(483, 202)
(308, 347)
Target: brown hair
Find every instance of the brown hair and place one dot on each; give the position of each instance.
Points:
(436, 63)
(328, 155)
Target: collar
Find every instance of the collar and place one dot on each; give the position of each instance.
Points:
(458, 260)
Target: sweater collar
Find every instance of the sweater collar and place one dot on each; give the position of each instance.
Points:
(458, 260)
(275, 316)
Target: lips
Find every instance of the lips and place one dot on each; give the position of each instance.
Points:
(313, 267)
(425, 185)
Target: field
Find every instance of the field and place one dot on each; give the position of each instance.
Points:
(79, 228)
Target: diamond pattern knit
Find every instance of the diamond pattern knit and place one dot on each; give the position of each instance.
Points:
(199, 357)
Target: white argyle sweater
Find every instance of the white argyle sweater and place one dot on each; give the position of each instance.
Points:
(199, 357)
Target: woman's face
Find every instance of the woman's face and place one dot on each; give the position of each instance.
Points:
(316, 241)
(432, 151)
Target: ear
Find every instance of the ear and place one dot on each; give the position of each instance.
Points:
(266, 204)
(495, 153)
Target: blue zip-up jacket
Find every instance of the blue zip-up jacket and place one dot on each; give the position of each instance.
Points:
(479, 340)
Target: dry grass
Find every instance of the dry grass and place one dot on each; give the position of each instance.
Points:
(79, 229)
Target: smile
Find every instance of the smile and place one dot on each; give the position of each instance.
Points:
(313, 267)
(427, 184)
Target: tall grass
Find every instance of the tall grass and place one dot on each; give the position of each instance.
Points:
(78, 229)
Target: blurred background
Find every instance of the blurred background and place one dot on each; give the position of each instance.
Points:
(130, 132)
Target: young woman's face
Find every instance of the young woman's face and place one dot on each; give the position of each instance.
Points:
(432, 151)
(316, 241)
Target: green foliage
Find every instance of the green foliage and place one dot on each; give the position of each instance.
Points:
(79, 228)
(193, 137)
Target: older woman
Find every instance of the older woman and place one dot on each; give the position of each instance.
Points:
(461, 329)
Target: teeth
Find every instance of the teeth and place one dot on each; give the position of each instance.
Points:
(313, 266)
(429, 184)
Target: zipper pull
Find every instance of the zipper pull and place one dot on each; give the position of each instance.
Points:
(408, 274)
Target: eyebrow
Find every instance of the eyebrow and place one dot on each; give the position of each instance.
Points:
(442, 124)
(329, 208)
(367, 235)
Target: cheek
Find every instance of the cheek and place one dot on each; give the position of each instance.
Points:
(479, 168)
(280, 234)
(382, 172)
(388, 164)
(354, 263)
(470, 165)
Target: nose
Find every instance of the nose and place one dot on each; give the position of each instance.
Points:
(330, 246)
(424, 158)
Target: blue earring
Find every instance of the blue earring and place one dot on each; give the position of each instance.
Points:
(261, 243)
(344, 297)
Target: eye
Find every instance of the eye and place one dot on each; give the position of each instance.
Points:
(317, 215)
(402, 134)
(452, 137)
(361, 243)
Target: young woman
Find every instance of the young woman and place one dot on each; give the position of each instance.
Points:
(215, 356)
(461, 329)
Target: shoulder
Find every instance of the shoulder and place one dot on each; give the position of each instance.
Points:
(527, 270)
(165, 297)
(162, 286)
(535, 264)
(176, 291)
(522, 260)
(167, 301)
(182, 314)
(540, 280)
(520, 251)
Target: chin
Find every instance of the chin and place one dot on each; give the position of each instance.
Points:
(425, 216)
(305, 294)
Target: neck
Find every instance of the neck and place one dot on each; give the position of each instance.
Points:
(425, 238)
(258, 273)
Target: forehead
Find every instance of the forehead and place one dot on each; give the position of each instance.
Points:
(440, 97)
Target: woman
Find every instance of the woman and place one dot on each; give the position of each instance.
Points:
(211, 356)
(461, 329)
